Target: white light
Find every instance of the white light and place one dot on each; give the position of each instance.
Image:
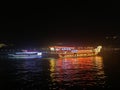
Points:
(74, 51)
(52, 48)
(39, 53)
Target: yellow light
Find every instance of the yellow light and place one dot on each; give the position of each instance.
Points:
(98, 49)
(52, 49)
(52, 65)
(2, 45)
(52, 69)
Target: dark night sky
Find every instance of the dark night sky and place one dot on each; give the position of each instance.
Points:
(87, 21)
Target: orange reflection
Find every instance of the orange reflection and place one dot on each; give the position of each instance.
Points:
(87, 71)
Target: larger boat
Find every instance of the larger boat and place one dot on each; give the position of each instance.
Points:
(65, 51)
(25, 54)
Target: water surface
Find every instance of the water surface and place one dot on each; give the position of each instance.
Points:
(59, 74)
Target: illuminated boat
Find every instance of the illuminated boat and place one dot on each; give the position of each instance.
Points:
(63, 51)
(25, 54)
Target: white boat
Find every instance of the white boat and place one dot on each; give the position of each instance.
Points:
(25, 54)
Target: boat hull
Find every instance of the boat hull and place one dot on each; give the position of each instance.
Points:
(76, 55)
(26, 55)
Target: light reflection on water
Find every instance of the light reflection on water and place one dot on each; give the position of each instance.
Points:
(52, 74)
(81, 72)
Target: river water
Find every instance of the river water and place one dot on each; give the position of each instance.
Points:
(85, 73)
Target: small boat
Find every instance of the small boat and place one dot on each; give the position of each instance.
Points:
(25, 54)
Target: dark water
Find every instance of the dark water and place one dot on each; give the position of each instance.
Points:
(100, 72)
